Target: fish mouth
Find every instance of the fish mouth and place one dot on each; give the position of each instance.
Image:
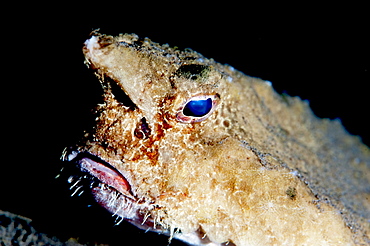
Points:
(109, 187)
(105, 173)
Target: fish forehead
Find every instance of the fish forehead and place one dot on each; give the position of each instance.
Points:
(132, 63)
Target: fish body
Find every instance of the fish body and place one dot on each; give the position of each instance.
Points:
(197, 150)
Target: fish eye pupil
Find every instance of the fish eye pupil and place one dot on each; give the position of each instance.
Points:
(198, 108)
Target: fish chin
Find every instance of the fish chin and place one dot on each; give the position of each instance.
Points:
(118, 204)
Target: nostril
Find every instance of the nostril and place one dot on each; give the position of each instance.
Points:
(142, 130)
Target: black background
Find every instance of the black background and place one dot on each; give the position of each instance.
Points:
(319, 54)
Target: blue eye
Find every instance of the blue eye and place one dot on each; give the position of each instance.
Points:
(198, 108)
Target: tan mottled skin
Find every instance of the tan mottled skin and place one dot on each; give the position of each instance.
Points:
(260, 170)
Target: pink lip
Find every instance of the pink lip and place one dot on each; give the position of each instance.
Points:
(106, 175)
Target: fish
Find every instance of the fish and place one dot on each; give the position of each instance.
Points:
(199, 151)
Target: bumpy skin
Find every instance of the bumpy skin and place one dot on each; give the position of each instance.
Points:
(260, 169)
